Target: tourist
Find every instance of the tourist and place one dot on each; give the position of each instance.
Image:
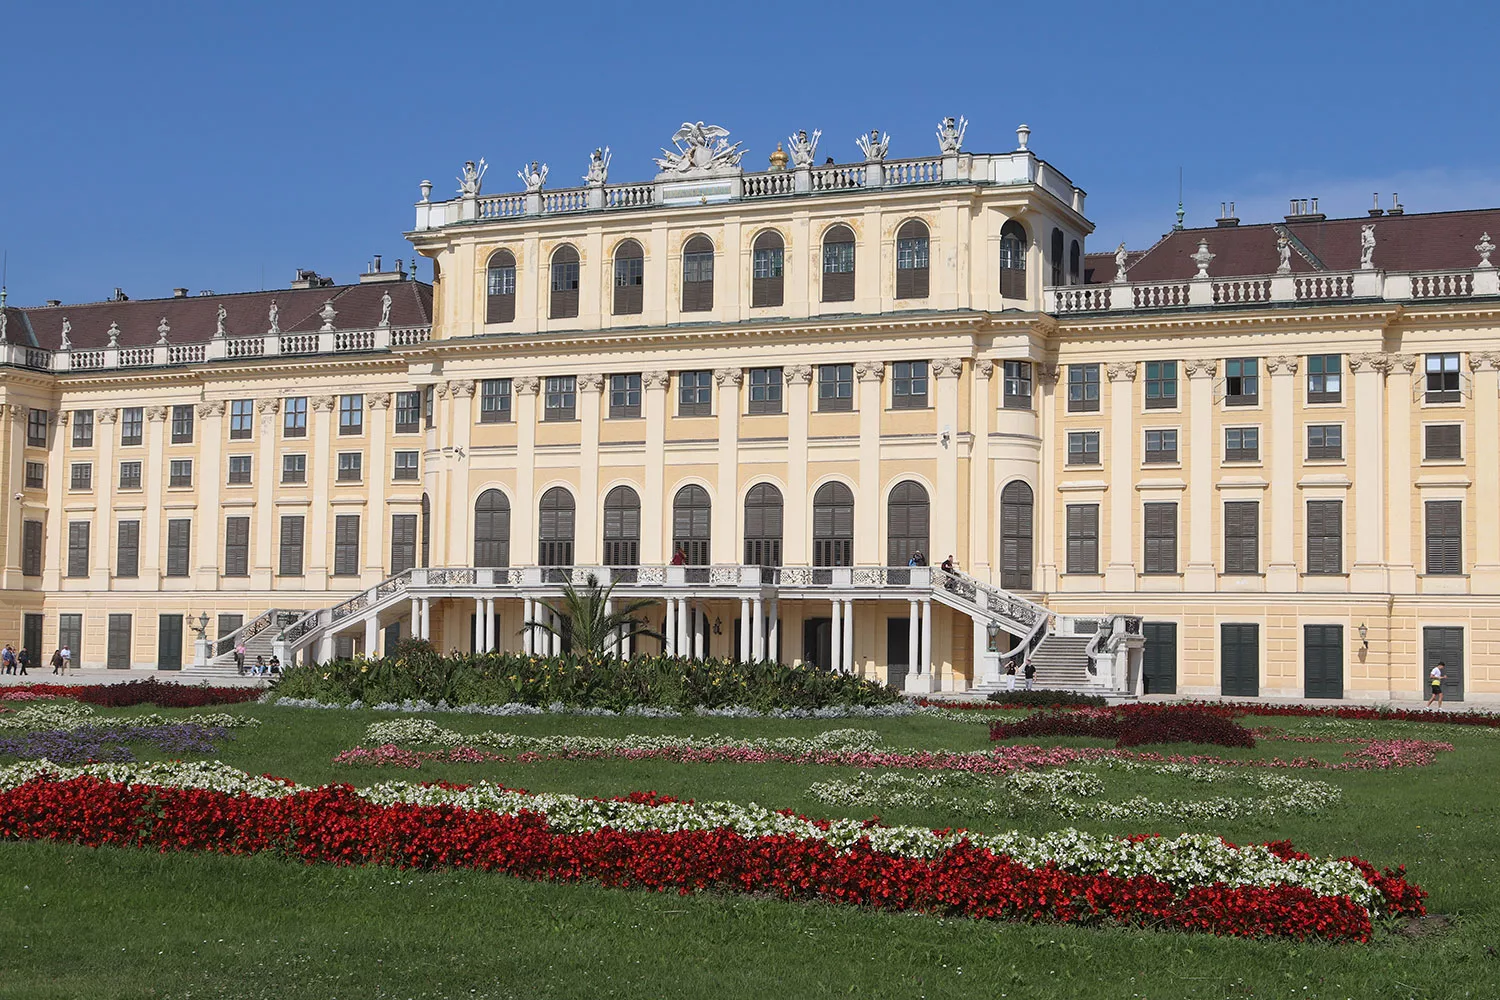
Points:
(239, 657)
(57, 660)
(260, 666)
(275, 664)
(23, 660)
(1010, 676)
(679, 557)
(1436, 677)
(8, 659)
(1030, 673)
(67, 659)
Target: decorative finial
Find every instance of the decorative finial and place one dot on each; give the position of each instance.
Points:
(114, 334)
(1202, 258)
(162, 329)
(327, 313)
(1180, 213)
(1485, 248)
(1023, 136)
(67, 328)
(1367, 247)
(778, 158)
(426, 187)
(4, 319)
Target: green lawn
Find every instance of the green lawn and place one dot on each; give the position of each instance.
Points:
(116, 923)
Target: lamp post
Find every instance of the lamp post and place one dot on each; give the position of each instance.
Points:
(200, 645)
(994, 635)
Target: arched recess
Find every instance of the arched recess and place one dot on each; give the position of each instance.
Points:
(692, 524)
(630, 279)
(1075, 263)
(698, 274)
(767, 267)
(763, 525)
(564, 301)
(1013, 243)
(908, 519)
(555, 528)
(492, 529)
(622, 527)
(500, 287)
(833, 525)
(1056, 257)
(1016, 503)
(912, 260)
(838, 264)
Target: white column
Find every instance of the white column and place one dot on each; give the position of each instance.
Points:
(669, 627)
(700, 621)
(1399, 479)
(1281, 571)
(1201, 573)
(587, 538)
(266, 531)
(848, 657)
(427, 618)
(914, 642)
(415, 628)
(489, 625)
(523, 511)
(478, 633)
(155, 471)
(321, 480)
(928, 665)
(1046, 508)
(655, 511)
(1368, 523)
(871, 375)
(372, 635)
(377, 477)
(836, 637)
(795, 530)
(757, 630)
(747, 629)
(100, 555)
(556, 622)
(460, 422)
(981, 410)
(774, 633)
(1119, 573)
(210, 479)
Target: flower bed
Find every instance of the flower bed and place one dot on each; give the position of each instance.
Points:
(109, 742)
(1192, 883)
(1131, 725)
(143, 692)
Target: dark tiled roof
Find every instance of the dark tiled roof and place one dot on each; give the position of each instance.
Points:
(1099, 268)
(194, 318)
(1428, 242)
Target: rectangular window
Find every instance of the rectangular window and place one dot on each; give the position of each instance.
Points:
(132, 424)
(1083, 447)
(128, 549)
(180, 472)
(346, 545)
(406, 467)
(429, 407)
(81, 476)
(767, 262)
(695, 394)
(835, 388)
(561, 398)
(289, 562)
(1161, 446)
(36, 475)
(1325, 382)
(909, 385)
(1160, 521)
(1083, 388)
(36, 428)
(1444, 442)
(179, 544)
(409, 412)
(1018, 385)
(78, 548)
(765, 390)
(501, 279)
(351, 466)
(1325, 441)
(351, 414)
(1242, 444)
(182, 424)
(1242, 382)
(403, 542)
(1242, 537)
(130, 475)
(1161, 385)
(1325, 537)
(31, 548)
(237, 546)
(494, 402)
(624, 397)
(83, 428)
(1443, 384)
(241, 419)
(1445, 537)
(294, 468)
(1083, 538)
(294, 417)
(239, 469)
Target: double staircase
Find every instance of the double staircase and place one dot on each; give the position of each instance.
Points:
(259, 637)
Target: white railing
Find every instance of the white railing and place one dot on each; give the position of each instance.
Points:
(1237, 290)
(566, 200)
(901, 172)
(411, 336)
(298, 343)
(245, 347)
(1083, 298)
(354, 340)
(33, 357)
(87, 360)
(503, 206)
(838, 178)
(1324, 286)
(187, 354)
(769, 185)
(131, 357)
(630, 196)
(1442, 285)
(1156, 296)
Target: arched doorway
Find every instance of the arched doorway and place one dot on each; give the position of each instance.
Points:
(622, 527)
(1015, 536)
(833, 525)
(763, 520)
(492, 529)
(555, 528)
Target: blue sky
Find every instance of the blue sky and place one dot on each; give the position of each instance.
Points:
(207, 145)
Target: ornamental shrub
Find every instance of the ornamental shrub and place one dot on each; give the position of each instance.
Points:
(1132, 725)
(1041, 698)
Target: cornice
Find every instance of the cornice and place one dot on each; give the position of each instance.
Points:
(1205, 320)
(179, 375)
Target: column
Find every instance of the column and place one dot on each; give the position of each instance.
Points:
(210, 477)
(490, 628)
(1403, 571)
(427, 618)
(848, 657)
(654, 509)
(1119, 573)
(795, 534)
(1046, 499)
(1281, 572)
(1201, 574)
(372, 635)
(416, 618)
(757, 629)
(104, 485)
(479, 626)
(980, 494)
(523, 511)
(587, 536)
(1368, 521)
(700, 626)
(528, 643)
(836, 637)
(746, 630)
(727, 504)
(945, 373)
(913, 643)
(774, 634)
(684, 628)
(155, 474)
(13, 422)
(928, 665)
(377, 476)
(556, 622)
(1485, 577)
(461, 421)
(322, 484)
(57, 522)
(669, 628)
(265, 532)
(871, 375)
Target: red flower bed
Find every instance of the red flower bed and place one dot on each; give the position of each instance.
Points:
(332, 825)
(1131, 725)
(142, 692)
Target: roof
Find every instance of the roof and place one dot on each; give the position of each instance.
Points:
(1431, 241)
(193, 319)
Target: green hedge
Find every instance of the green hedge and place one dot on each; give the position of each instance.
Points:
(415, 670)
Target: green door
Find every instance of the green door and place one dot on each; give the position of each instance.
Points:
(117, 652)
(1239, 660)
(1445, 643)
(1322, 661)
(897, 651)
(169, 642)
(1159, 667)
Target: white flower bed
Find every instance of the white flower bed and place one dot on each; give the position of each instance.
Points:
(408, 732)
(73, 715)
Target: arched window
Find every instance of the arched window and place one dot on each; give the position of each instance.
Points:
(1015, 536)
(692, 518)
(838, 264)
(1056, 257)
(555, 528)
(564, 283)
(833, 525)
(500, 288)
(1075, 263)
(622, 527)
(630, 279)
(763, 518)
(698, 274)
(908, 523)
(768, 261)
(492, 529)
(911, 260)
(1013, 260)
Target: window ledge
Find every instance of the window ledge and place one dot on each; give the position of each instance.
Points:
(1442, 576)
(1241, 576)
(1438, 463)
(1325, 576)
(1084, 465)
(1324, 461)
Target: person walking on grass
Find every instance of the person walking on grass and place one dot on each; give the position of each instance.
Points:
(23, 660)
(1435, 679)
(57, 660)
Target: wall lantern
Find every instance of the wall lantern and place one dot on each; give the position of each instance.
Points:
(1364, 636)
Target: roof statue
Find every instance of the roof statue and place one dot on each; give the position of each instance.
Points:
(385, 308)
(472, 178)
(4, 323)
(275, 317)
(700, 149)
(1120, 254)
(67, 344)
(1283, 254)
(1202, 258)
(219, 330)
(162, 329)
(950, 134)
(873, 145)
(327, 313)
(803, 147)
(1484, 247)
(598, 174)
(1367, 247)
(533, 176)
(114, 334)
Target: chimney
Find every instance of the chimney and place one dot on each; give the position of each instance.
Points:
(1376, 211)
(1227, 219)
(179, 293)
(376, 268)
(58, 302)
(119, 296)
(1396, 207)
(1305, 210)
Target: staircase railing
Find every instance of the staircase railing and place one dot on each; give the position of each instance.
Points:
(1021, 614)
(1112, 632)
(225, 644)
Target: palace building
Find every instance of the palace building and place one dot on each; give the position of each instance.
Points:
(1249, 460)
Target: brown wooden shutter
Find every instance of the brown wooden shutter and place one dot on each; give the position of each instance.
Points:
(1016, 536)
(237, 546)
(117, 652)
(1083, 538)
(1325, 542)
(492, 530)
(565, 277)
(128, 549)
(403, 542)
(838, 286)
(1444, 441)
(1161, 537)
(291, 545)
(1242, 537)
(179, 545)
(500, 308)
(31, 549)
(629, 289)
(1444, 536)
(911, 282)
(78, 548)
(346, 545)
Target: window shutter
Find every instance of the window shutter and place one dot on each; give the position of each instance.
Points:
(1444, 441)
(128, 549)
(179, 541)
(1444, 537)
(403, 542)
(117, 654)
(78, 548)
(1083, 538)
(291, 545)
(237, 546)
(346, 545)
(31, 549)
(1161, 537)
(1325, 543)
(1242, 537)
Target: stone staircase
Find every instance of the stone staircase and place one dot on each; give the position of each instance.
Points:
(258, 635)
(1062, 664)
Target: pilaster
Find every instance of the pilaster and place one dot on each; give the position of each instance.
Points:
(1485, 576)
(587, 535)
(795, 528)
(378, 406)
(1368, 522)
(1399, 518)
(980, 409)
(210, 478)
(1200, 574)
(654, 510)
(13, 424)
(319, 541)
(460, 421)
(871, 375)
(1119, 573)
(1049, 546)
(1281, 572)
(726, 509)
(523, 511)
(57, 521)
(266, 531)
(155, 474)
(945, 374)
(104, 487)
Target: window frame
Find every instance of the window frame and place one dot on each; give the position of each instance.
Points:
(406, 460)
(36, 475)
(1081, 546)
(182, 423)
(179, 547)
(1017, 375)
(81, 477)
(1242, 538)
(496, 401)
(236, 546)
(294, 417)
(132, 418)
(1449, 386)
(300, 479)
(1161, 450)
(842, 378)
(767, 385)
(1082, 439)
(629, 279)
(37, 423)
(351, 414)
(77, 565)
(1324, 452)
(1242, 452)
(409, 404)
(1443, 537)
(350, 467)
(241, 419)
(132, 482)
(180, 473)
(1247, 384)
(1324, 551)
(1161, 376)
(1159, 546)
(840, 266)
(83, 428)
(563, 389)
(913, 261)
(564, 278)
(697, 274)
(626, 395)
(346, 539)
(1319, 377)
(1084, 392)
(243, 475)
(695, 393)
(128, 569)
(906, 375)
(1444, 451)
(291, 543)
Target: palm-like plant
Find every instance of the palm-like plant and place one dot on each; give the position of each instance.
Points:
(586, 623)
